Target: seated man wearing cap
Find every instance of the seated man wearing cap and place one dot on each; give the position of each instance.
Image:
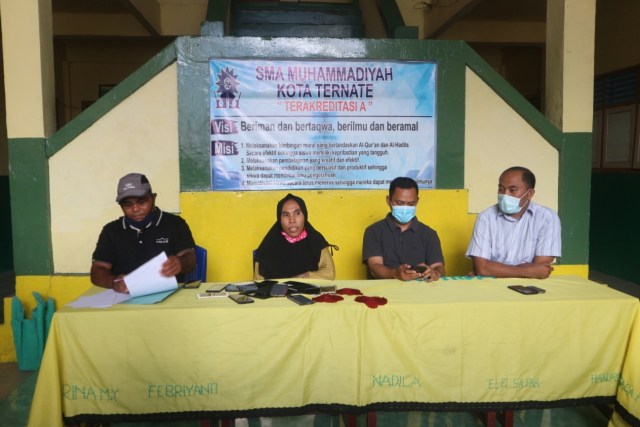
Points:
(142, 233)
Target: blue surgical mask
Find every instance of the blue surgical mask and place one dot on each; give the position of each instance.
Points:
(403, 214)
(509, 204)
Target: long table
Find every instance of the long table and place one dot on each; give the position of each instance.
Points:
(453, 345)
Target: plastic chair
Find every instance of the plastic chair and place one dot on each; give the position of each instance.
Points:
(199, 272)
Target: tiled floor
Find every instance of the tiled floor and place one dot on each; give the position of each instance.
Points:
(10, 378)
(16, 391)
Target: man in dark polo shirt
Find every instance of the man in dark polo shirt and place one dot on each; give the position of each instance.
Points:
(142, 233)
(392, 246)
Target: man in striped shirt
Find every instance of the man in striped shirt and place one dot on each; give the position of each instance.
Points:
(516, 237)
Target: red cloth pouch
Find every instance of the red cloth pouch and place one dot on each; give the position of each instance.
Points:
(328, 298)
(371, 302)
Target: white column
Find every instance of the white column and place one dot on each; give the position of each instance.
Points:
(27, 45)
(570, 64)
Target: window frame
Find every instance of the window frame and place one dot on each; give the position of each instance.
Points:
(608, 114)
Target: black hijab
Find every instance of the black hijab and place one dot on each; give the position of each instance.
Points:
(278, 258)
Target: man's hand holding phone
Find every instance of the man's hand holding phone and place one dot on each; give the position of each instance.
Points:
(424, 271)
(408, 272)
(418, 272)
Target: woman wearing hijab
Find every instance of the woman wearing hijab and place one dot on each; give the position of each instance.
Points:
(292, 247)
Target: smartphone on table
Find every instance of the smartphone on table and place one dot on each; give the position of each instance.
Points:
(217, 288)
(279, 290)
(525, 290)
(194, 284)
(300, 299)
(241, 299)
(247, 286)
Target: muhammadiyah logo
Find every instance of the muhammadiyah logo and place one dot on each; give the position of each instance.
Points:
(227, 89)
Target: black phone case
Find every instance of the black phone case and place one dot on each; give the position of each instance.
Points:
(523, 289)
(195, 284)
(300, 299)
(245, 299)
(279, 290)
(247, 288)
(264, 289)
(302, 288)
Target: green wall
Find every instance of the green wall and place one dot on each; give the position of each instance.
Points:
(29, 156)
(615, 228)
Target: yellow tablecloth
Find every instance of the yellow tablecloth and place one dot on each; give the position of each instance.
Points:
(628, 397)
(450, 345)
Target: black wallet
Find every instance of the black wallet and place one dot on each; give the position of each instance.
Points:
(264, 289)
(302, 288)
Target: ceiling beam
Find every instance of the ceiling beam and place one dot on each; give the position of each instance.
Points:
(140, 17)
(502, 32)
(442, 14)
(95, 24)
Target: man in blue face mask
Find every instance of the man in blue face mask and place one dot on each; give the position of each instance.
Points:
(400, 246)
(516, 237)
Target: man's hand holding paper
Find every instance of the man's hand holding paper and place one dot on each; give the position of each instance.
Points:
(149, 278)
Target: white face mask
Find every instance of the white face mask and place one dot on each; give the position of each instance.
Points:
(509, 204)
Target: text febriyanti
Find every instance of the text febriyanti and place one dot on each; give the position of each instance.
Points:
(294, 73)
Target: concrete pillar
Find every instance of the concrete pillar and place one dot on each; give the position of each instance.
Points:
(27, 45)
(570, 64)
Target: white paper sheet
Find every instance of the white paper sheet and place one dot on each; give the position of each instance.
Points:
(100, 300)
(146, 279)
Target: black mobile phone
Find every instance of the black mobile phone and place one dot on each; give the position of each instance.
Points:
(418, 268)
(217, 288)
(539, 290)
(300, 299)
(245, 289)
(279, 290)
(526, 290)
(195, 284)
(241, 299)
(302, 288)
(233, 287)
(267, 282)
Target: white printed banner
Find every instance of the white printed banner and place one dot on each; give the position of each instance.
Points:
(321, 124)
